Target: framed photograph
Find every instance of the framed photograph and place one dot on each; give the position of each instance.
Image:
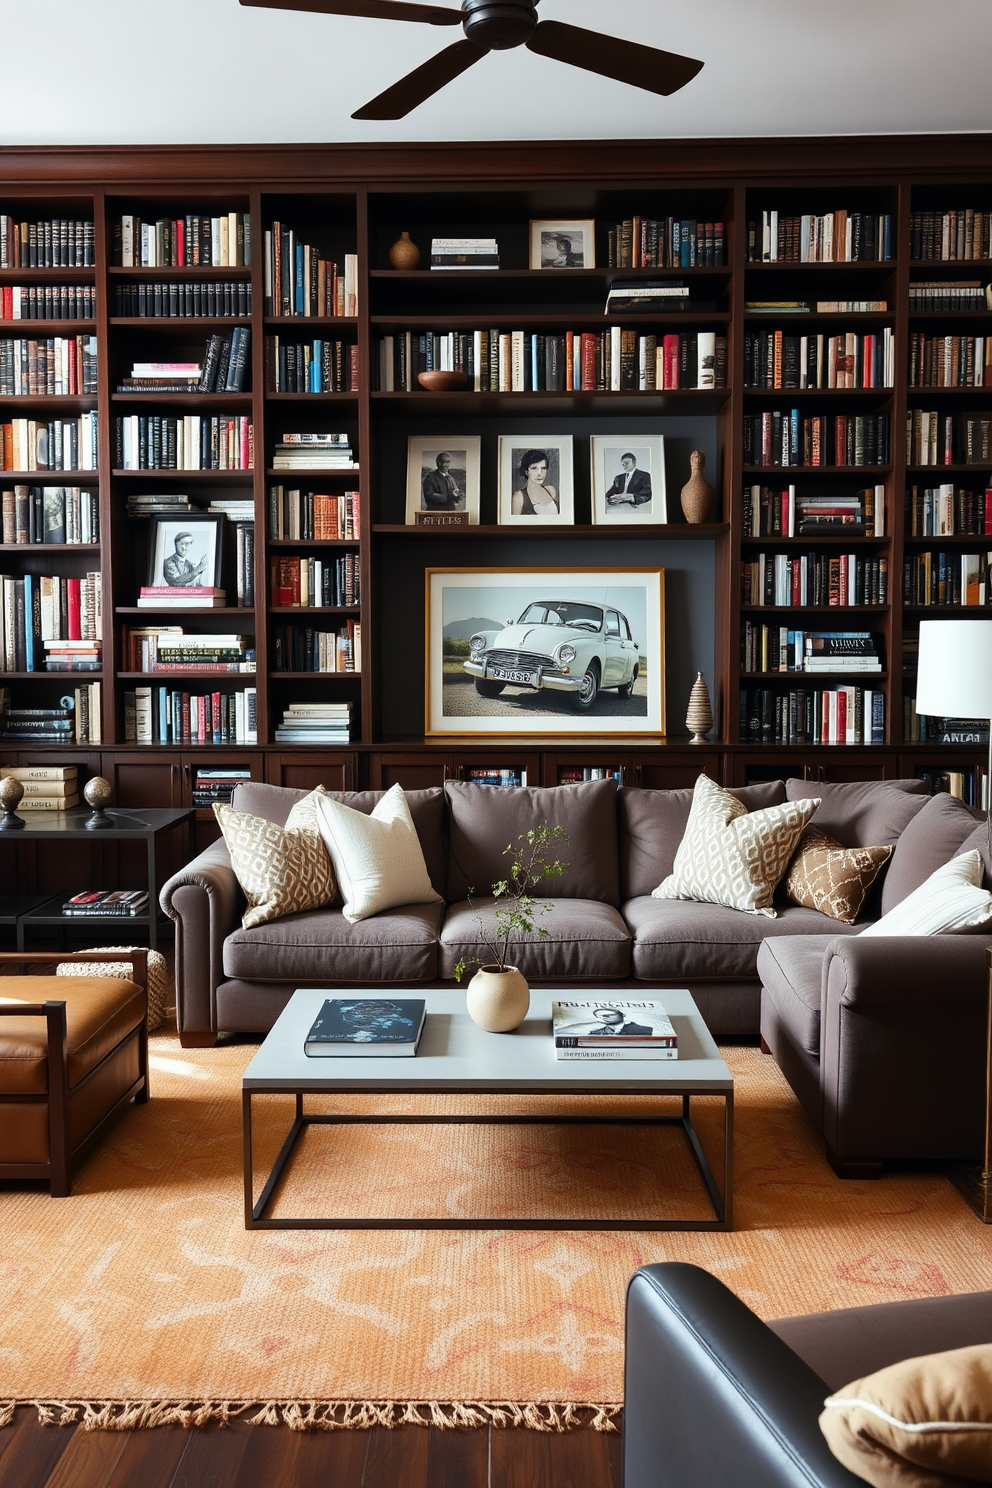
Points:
(628, 479)
(550, 651)
(184, 551)
(535, 479)
(442, 480)
(563, 245)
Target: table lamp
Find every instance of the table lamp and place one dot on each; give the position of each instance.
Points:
(954, 680)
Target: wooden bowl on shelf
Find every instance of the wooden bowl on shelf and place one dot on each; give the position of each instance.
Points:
(442, 382)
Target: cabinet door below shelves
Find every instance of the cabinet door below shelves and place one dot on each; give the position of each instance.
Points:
(676, 771)
(411, 771)
(334, 771)
(144, 778)
(784, 765)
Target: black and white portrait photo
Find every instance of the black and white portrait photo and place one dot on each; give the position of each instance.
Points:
(562, 245)
(443, 476)
(628, 479)
(535, 479)
(184, 551)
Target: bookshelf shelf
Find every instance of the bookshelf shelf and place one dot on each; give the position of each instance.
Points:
(36, 329)
(191, 271)
(208, 402)
(677, 531)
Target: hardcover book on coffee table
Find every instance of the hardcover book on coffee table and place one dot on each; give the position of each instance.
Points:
(618, 1029)
(375, 1027)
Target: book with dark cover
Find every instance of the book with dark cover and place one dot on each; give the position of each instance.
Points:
(367, 1027)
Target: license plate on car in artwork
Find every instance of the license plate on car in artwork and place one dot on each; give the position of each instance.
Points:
(509, 674)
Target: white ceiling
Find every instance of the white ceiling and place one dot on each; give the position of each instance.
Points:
(210, 71)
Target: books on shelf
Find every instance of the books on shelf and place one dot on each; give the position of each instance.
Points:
(953, 236)
(190, 442)
(619, 1029)
(315, 723)
(221, 240)
(648, 296)
(211, 786)
(41, 612)
(790, 513)
(832, 237)
(182, 596)
(148, 503)
(59, 366)
(777, 648)
(215, 299)
(53, 243)
(813, 579)
(47, 302)
(369, 1027)
(314, 452)
(575, 774)
(949, 361)
(167, 648)
(310, 367)
(480, 775)
(162, 715)
(846, 360)
(970, 785)
(948, 511)
(50, 514)
(464, 253)
(927, 295)
(315, 582)
(934, 438)
(812, 715)
(786, 438)
(101, 903)
(299, 281)
(72, 722)
(665, 243)
(297, 515)
(302, 648)
(956, 580)
(52, 444)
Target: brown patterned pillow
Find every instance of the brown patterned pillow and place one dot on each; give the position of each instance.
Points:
(835, 880)
(281, 869)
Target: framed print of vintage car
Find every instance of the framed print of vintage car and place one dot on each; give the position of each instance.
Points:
(552, 651)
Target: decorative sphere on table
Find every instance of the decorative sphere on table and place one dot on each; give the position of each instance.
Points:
(97, 793)
(11, 791)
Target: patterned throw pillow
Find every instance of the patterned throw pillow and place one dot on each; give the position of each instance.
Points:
(731, 856)
(281, 869)
(835, 880)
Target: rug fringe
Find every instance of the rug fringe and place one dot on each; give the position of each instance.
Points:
(322, 1415)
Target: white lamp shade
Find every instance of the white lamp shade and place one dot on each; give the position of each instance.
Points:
(954, 679)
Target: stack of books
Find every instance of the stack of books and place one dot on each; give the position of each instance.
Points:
(98, 904)
(147, 504)
(165, 648)
(464, 253)
(646, 296)
(46, 787)
(315, 723)
(73, 656)
(162, 377)
(613, 1030)
(234, 508)
(221, 369)
(819, 516)
(304, 451)
(210, 786)
(181, 596)
(840, 651)
(38, 725)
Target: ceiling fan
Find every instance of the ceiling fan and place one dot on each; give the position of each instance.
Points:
(496, 26)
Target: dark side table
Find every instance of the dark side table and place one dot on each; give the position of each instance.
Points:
(125, 826)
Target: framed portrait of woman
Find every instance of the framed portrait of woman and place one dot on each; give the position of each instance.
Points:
(535, 480)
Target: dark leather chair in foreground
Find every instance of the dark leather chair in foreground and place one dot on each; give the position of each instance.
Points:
(714, 1397)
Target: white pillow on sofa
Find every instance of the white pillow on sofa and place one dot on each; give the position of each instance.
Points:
(378, 860)
(951, 902)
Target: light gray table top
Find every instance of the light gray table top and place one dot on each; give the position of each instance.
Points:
(454, 1054)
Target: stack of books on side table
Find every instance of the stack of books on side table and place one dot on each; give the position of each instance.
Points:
(100, 903)
(613, 1030)
(46, 787)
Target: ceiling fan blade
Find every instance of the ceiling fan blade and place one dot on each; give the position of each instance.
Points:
(375, 10)
(423, 82)
(627, 61)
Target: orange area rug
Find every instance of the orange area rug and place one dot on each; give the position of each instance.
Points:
(142, 1299)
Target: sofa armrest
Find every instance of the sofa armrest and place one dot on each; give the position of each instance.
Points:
(713, 1396)
(902, 1046)
(205, 901)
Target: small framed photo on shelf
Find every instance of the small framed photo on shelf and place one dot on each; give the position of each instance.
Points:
(552, 651)
(442, 480)
(185, 551)
(563, 245)
(535, 479)
(628, 479)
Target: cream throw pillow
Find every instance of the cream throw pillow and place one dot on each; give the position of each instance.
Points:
(282, 870)
(377, 859)
(732, 856)
(921, 1421)
(951, 902)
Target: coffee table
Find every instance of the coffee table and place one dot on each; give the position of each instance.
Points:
(455, 1055)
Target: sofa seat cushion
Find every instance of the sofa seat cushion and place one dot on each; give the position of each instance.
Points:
(680, 940)
(791, 971)
(99, 1012)
(586, 941)
(399, 945)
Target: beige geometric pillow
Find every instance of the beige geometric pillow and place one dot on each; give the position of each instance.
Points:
(731, 856)
(282, 870)
(834, 879)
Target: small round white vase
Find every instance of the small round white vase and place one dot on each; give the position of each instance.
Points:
(498, 1000)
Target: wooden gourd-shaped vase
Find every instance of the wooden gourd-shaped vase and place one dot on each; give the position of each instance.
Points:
(497, 998)
(404, 253)
(699, 715)
(697, 493)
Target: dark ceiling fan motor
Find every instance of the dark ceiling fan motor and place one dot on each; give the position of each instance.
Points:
(499, 25)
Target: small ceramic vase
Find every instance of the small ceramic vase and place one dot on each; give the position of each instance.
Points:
(404, 253)
(497, 999)
(699, 716)
(697, 493)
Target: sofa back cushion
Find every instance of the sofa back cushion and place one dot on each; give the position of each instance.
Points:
(484, 819)
(861, 813)
(935, 835)
(653, 823)
(274, 803)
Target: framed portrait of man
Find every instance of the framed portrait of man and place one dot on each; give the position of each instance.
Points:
(535, 480)
(563, 245)
(628, 479)
(184, 551)
(442, 479)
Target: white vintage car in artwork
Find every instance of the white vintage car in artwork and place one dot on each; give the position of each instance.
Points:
(564, 645)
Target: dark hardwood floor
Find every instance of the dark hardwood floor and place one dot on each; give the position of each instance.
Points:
(241, 1456)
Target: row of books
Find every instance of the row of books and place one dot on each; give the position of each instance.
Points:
(75, 721)
(575, 774)
(935, 438)
(220, 370)
(929, 728)
(168, 648)
(948, 511)
(183, 299)
(59, 366)
(213, 786)
(464, 253)
(841, 579)
(314, 582)
(309, 451)
(190, 442)
(849, 359)
(99, 904)
(50, 514)
(830, 237)
(54, 243)
(950, 361)
(219, 241)
(786, 438)
(310, 367)
(950, 236)
(160, 715)
(780, 305)
(52, 444)
(297, 515)
(315, 723)
(788, 513)
(298, 281)
(970, 786)
(954, 295)
(47, 302)
(299, 648)
(38, 610)
(611, 360)
(46, 787)
(820, 715)
(955, 580)
(776, 648)
(480, 775)
(666, 243)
